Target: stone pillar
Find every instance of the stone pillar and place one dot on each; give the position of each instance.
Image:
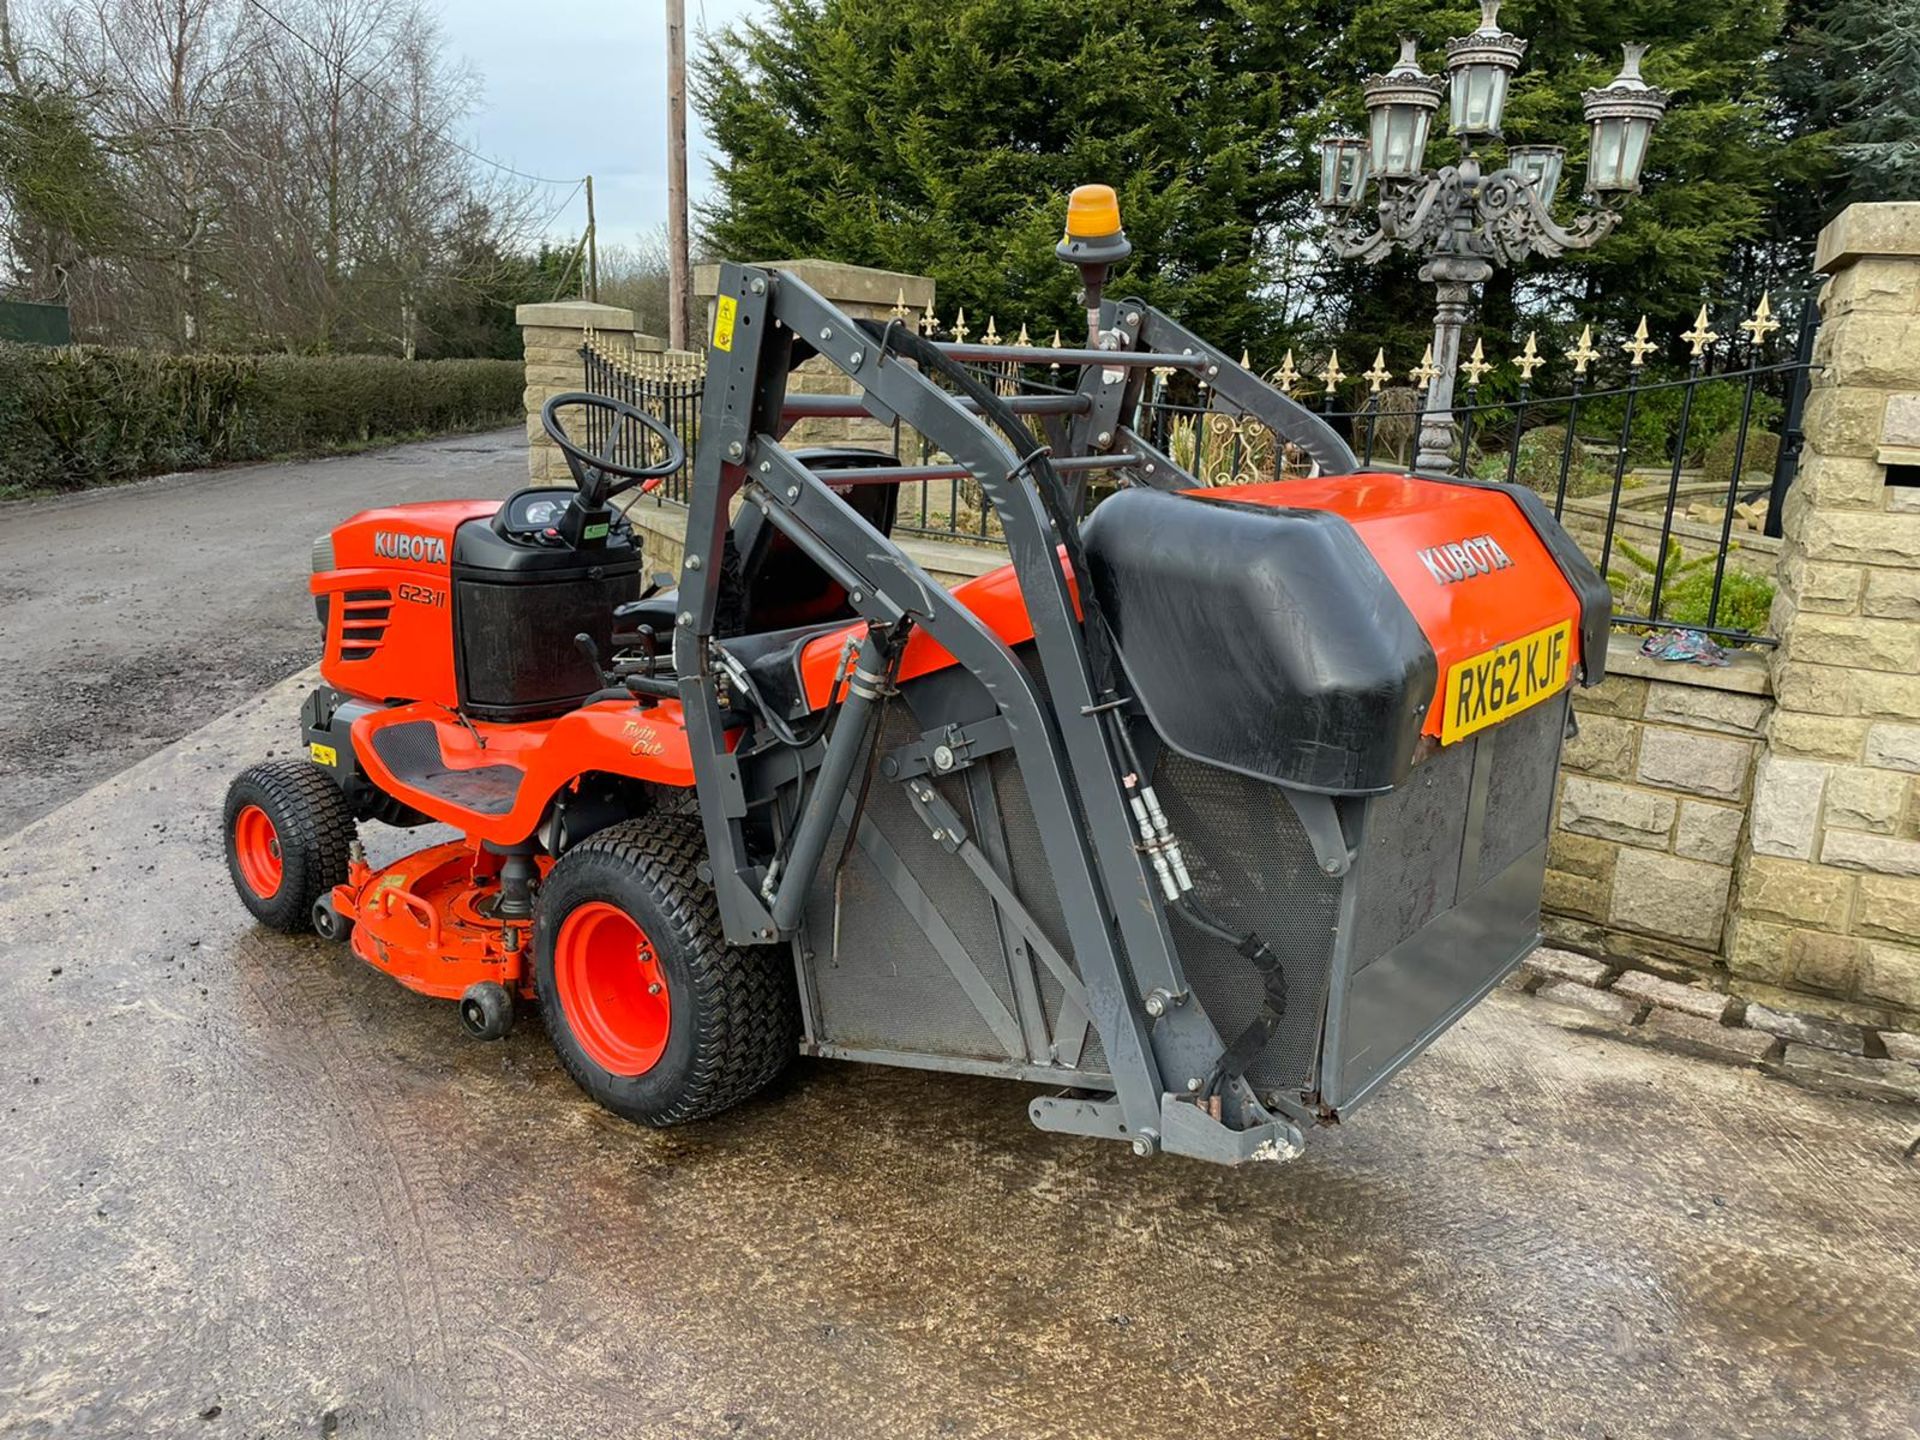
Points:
(864, 294)
(551, 336)
(1828, 900)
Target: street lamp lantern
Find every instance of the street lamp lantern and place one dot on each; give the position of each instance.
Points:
(1462, 219)
(1622, 117)
(1400, 106)
(1480, 65)
(1343, 171)
(1539, 166)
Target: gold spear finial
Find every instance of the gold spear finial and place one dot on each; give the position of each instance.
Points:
(900, 311)
(1022, 339)
(1640, 346)
(1529, 360)
(1286, 377)
(1332, 374)
(1426, 372)
(1379, 374)
(1476, 365)
(960, 331)
(1583, 354)
(1701, 335)
(928, 324)
(1055, 364)
(992, 337)
(1762, 324)
(1246, 358)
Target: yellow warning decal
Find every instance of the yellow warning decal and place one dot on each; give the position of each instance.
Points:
(723, 313)
(1486, 688)
(323, 754)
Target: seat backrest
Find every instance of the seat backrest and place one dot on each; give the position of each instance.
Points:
(784, 586)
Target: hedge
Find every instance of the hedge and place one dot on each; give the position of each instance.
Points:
(86, 415)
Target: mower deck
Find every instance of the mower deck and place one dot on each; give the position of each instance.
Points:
(430, 922)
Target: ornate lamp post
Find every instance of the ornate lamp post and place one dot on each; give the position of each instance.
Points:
(1463, 219)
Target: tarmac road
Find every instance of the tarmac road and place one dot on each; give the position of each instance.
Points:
(132, 615)
(249, 1187)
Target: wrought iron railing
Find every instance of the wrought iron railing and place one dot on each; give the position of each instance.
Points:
(667, 385)
(1672, 485)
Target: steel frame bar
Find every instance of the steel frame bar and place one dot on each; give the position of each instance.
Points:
(1292, 422)
(914, 474)
(1116, 927)
(1190, 359)
(848, 407)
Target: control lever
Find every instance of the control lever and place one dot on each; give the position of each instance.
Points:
(645, 640)
(589, 648)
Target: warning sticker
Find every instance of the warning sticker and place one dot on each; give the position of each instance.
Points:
(723, 313)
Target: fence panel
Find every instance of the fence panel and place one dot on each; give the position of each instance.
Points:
(1672, 486)
(667, 386)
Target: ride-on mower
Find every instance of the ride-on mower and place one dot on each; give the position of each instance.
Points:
(1207, 813)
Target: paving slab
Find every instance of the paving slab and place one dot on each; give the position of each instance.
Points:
(250, 1187)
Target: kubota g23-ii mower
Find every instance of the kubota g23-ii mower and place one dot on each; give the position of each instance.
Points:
(1207, 814)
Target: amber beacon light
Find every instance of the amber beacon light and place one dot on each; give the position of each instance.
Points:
(1093, 241)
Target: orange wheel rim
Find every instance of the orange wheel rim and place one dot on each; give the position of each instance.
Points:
(256, 846)
(612, 988)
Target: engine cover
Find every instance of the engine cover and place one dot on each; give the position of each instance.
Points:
(383, 585)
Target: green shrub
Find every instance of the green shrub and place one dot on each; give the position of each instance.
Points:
(1756, 461)
(1538, 465)
(1686, 589)
(86, 415)
(1745, 600)
(1715, 413)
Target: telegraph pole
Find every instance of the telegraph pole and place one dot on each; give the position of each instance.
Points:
(593, 249)
(679, 281)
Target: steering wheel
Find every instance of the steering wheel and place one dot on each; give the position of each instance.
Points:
(591, 471)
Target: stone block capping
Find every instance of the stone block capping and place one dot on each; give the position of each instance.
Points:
(1697, 1019)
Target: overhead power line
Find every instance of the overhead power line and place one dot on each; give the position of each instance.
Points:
(383, 100)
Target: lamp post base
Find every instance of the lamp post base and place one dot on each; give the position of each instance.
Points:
(1452, 277)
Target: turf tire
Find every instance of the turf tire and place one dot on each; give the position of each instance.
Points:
(733, 1009)
(314, 825)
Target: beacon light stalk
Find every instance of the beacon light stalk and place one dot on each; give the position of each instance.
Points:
(1093, 242)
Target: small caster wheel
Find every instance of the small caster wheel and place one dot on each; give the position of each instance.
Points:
(328, 922)
(486, 1011)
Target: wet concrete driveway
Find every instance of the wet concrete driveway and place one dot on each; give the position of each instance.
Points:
(252, 1188)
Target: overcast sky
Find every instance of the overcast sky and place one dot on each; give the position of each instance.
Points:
(572, 87)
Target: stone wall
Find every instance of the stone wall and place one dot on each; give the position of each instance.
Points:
(1651, 806)
(1828, 896)
(551, 337)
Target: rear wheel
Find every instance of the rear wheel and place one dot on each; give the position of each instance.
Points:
(288, 829)
(650, 1010)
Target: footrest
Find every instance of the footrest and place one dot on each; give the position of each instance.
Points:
(411, 750)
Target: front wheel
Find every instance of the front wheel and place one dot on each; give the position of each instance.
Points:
(649, 1009)
(288, 830)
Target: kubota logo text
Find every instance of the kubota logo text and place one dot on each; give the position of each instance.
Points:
(1463, 559)
(398, 545)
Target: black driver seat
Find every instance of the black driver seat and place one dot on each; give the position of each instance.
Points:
(784, 589)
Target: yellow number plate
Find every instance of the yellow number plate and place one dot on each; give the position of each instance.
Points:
(724, 310)
(1497, 683)
(322, 754)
